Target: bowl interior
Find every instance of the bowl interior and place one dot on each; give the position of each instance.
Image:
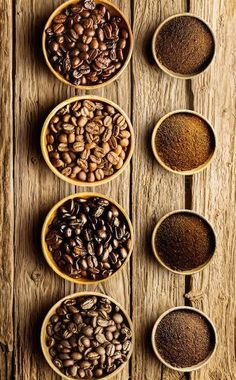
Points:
(52, 311)
(49, 218)
(183, 172)
(45, 132)
(196, 366)
(167, 70)
(190, 271)
(114, 10)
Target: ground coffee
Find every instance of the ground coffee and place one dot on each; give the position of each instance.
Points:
(184, 241)
(185, 45)
(184, 338)
(184, 141)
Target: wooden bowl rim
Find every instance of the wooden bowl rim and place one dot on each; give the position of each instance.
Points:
(48, 255)
(164, 68)
(74, 181)
(184, 172)
(119, 72)
(157, 256)
(196, 366)
(77, 295)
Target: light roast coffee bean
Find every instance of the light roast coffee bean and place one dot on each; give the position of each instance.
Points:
(88, 140)
(89, 238)
(88, 337)
(87, 44)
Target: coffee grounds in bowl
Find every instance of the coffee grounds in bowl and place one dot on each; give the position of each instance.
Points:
(185, 45)
(184, 338)
(184, 141)
(184, 241)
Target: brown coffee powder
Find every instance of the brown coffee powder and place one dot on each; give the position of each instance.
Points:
(185, 45)
(184, 141)
(184, 338)
(184, 241)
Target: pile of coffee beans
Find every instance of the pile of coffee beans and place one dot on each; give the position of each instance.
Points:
(89, 238)
(184, 338)
(185, 45)
(88, 337)
(87, 44)
(88, 140)
(185, 241)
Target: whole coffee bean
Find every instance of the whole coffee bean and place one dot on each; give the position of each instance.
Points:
(84, 143)
(100, 353)
(83, 27)
(94, 241)
(76, 356)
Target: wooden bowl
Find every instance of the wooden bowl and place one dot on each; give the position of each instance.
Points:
(114, 10)
(196, 366)
(52, 311)
(47, 254)
(183, 172)
(43, 141)
(164, 68)
(156, 253)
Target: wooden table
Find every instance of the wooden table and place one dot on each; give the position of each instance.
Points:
(29, 189)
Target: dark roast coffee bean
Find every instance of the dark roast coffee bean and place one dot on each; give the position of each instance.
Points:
(81, 28)
(100, 342)
(93, 251)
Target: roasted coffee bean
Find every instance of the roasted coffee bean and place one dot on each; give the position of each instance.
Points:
(88, 238)
(90, 352)
(81, 28)
(88, 140)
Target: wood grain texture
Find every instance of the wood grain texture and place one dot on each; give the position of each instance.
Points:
(6, 193)
(214, 190)
(28, 189)
(154, 191)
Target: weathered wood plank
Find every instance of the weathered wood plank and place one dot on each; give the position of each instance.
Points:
(214, 190)
(154, 191)
(36, 286)
(6, 192)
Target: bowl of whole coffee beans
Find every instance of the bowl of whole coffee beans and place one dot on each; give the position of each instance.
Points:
(184, 339)
(87, 238)
(183, 46)
(87, 140)
(87, 336)
(184, 242)
(184, 142)
(87, 44)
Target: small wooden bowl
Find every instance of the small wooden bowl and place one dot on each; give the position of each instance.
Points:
(76, 182)
(114, 10)
(47, 254)
(196, 366)
(164, 68)
(159, 259)
(52, 311)
(162, 163)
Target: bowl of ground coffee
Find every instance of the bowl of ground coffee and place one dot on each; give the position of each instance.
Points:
(184, 242)
(87, 335)
(87, 44)
(183, 45)
(184, 338)
(183, 142)
(87, 238)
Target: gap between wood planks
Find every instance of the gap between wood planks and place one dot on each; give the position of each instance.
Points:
(13, 56)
